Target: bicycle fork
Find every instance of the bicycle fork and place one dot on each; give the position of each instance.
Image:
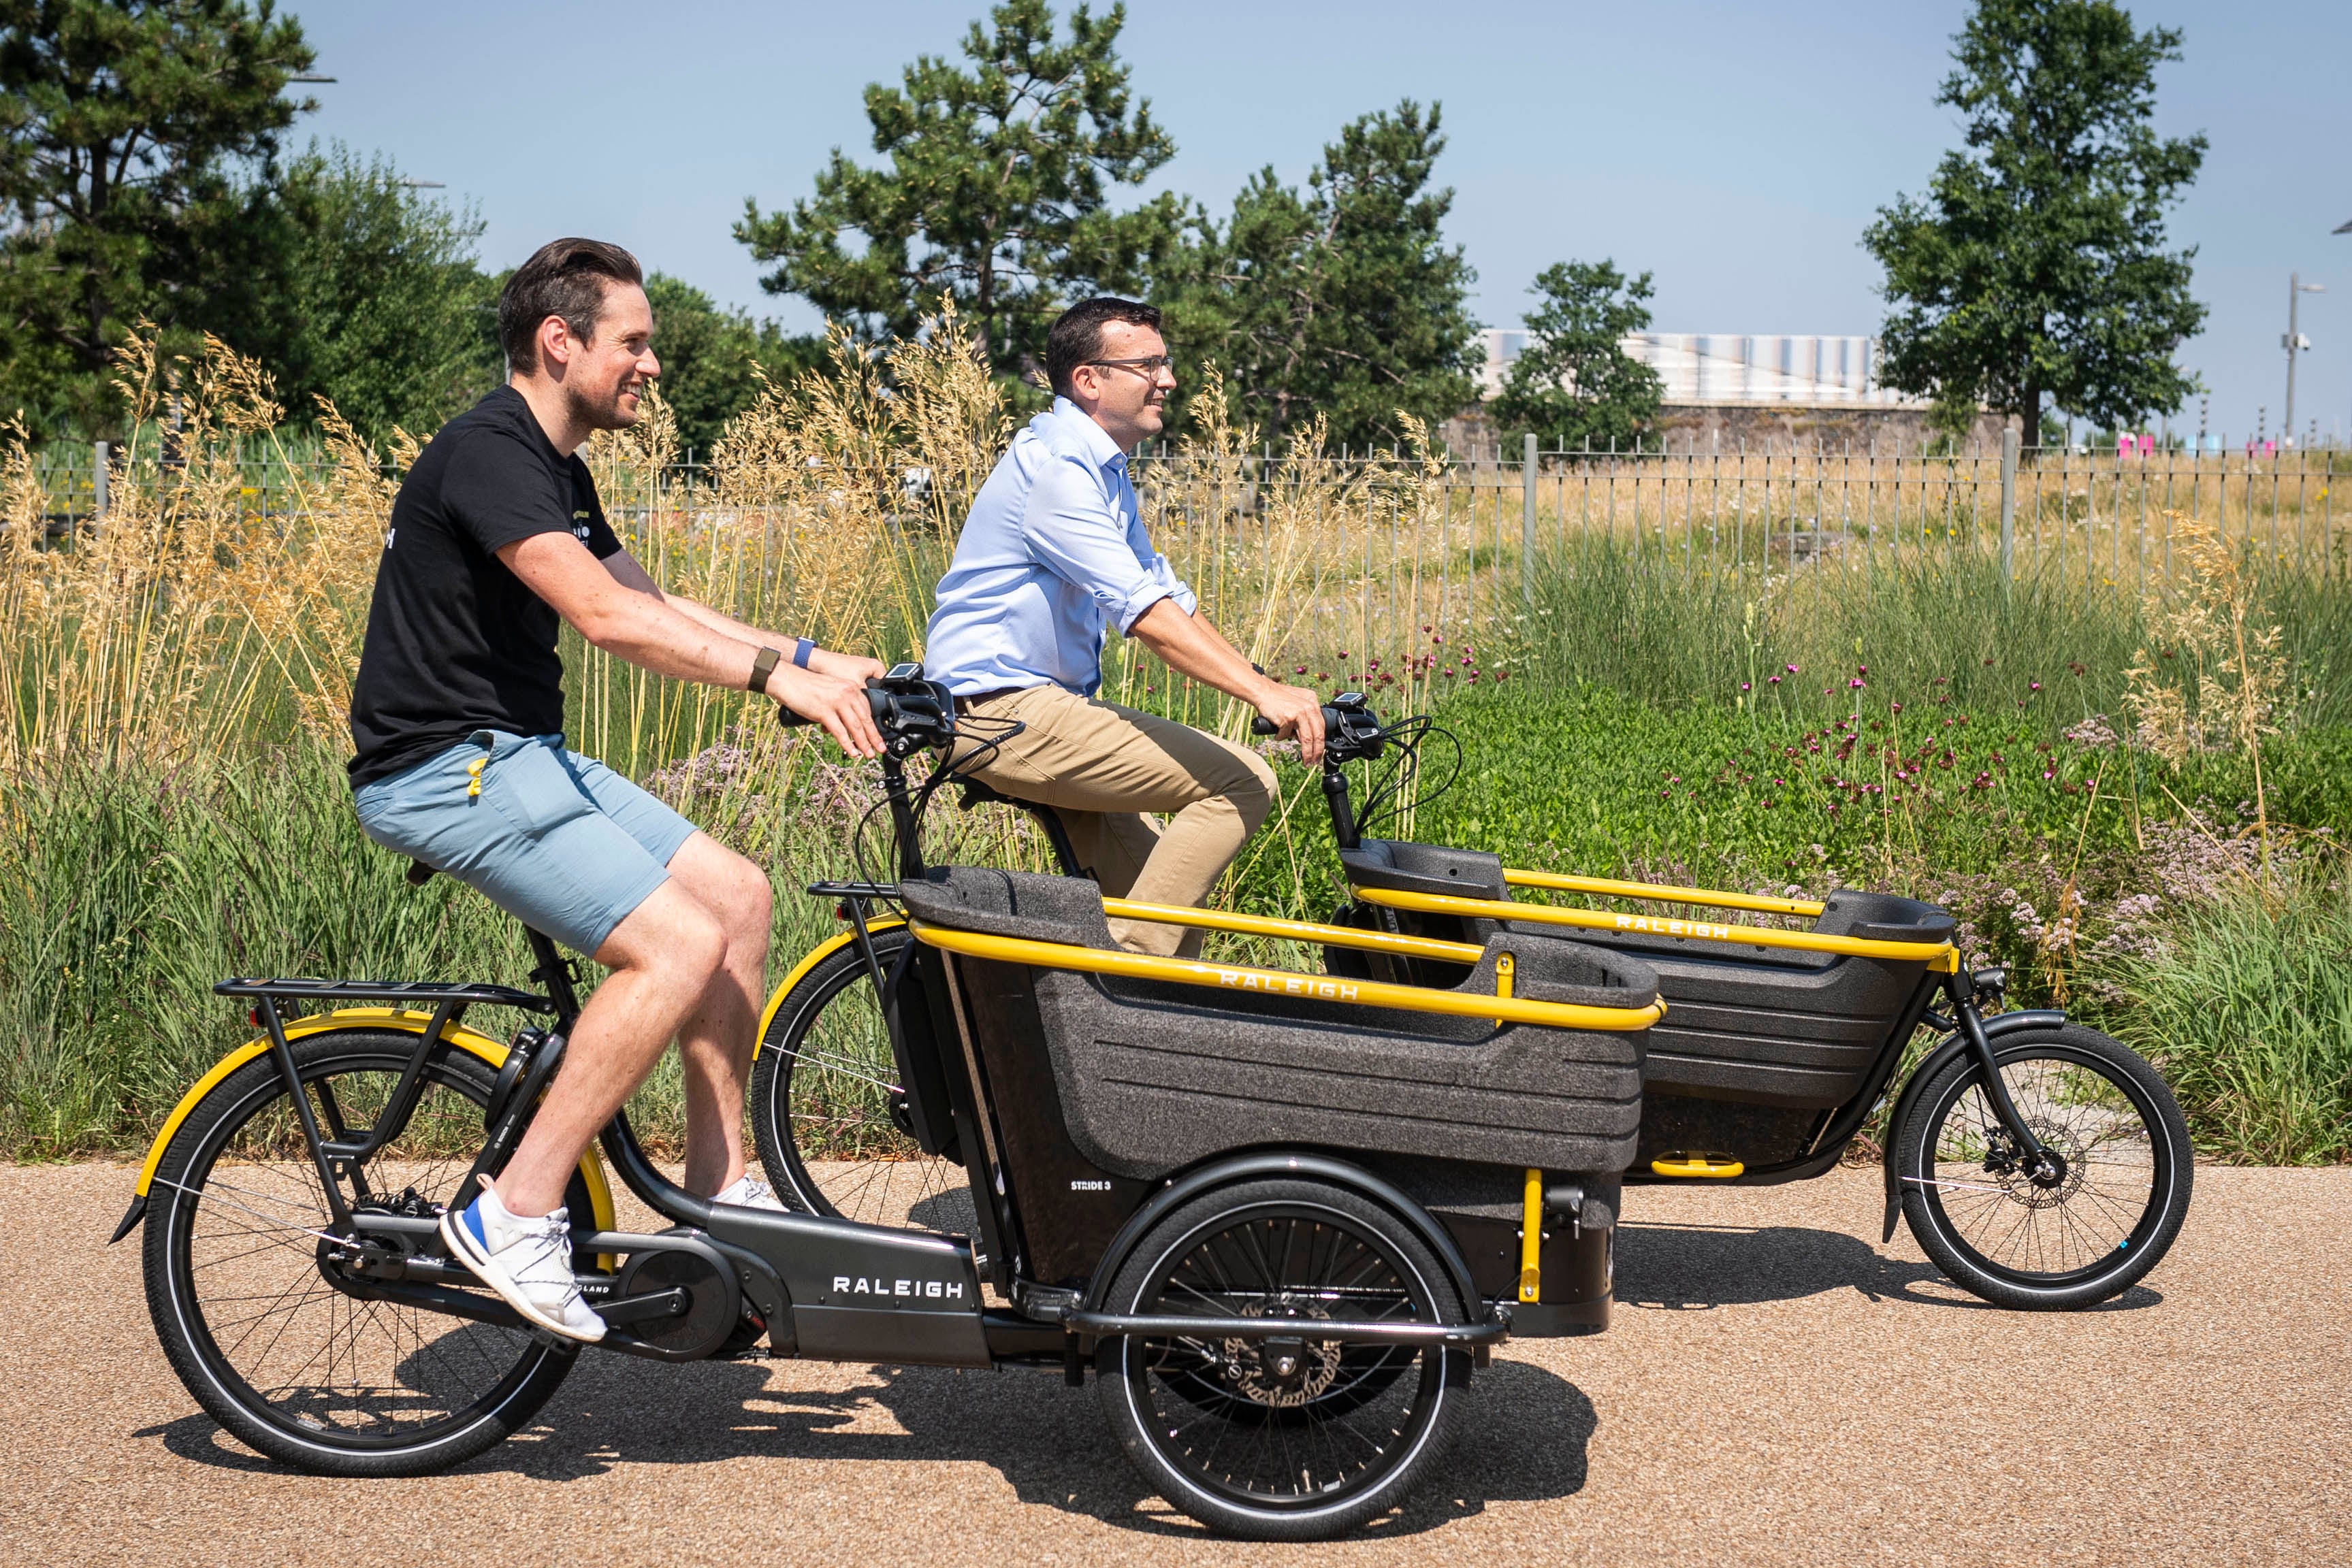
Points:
(2042, 1165)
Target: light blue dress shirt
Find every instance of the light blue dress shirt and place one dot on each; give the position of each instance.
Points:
(1054, 552)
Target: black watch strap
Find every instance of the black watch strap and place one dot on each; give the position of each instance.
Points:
(761, 668)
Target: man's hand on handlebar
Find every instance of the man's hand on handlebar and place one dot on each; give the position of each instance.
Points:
(1297, 712)
(836, 702)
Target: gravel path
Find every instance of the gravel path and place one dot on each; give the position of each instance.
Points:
(1777, 1388)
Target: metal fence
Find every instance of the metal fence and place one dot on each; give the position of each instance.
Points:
(1379, 551)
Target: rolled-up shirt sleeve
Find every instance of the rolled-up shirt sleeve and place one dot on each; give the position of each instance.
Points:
(1076, 533)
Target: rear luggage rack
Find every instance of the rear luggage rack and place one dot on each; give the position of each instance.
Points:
(431, 993)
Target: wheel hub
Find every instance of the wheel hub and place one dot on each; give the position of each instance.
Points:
(2048, 1183)
(1284, 1372)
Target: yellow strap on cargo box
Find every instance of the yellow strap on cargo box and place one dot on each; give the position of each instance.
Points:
(1938, 954)
(1283, 982)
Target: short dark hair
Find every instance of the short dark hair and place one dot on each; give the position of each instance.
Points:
(566, 277)
(1075, 337)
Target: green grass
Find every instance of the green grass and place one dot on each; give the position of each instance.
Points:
(2247, 1009)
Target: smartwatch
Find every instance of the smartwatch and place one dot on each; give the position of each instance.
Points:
(761, 668)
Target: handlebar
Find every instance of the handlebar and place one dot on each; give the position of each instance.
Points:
(1352, 732)
(912, 712)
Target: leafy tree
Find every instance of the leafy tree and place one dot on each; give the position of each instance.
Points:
(708, 356)
(383, 308)
(1574, 382)
(2036, 267)
(996, 190)
(124, 126)
(1341, 299)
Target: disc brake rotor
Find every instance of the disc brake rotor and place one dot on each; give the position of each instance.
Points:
(1255, 1370)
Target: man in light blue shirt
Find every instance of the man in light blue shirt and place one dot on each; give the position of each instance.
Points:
(1055, 551)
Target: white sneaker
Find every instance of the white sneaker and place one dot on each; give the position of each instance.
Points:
(744, 1192)
(527, 1261)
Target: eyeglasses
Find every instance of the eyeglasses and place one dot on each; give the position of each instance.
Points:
(1149, 364)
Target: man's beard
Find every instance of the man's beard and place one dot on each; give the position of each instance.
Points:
(600, 414)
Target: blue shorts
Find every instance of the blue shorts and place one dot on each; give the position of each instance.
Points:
(555, 838)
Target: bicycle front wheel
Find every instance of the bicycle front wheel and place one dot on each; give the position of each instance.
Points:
(2060, 1238)
(243, 1277)
(829, 1114)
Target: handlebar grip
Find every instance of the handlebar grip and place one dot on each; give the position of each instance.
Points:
(1264, 725)
(788, 719)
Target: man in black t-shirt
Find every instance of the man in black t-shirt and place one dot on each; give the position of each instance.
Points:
(457, 721)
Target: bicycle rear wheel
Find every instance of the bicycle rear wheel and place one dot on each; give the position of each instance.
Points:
(829, 1113)
(242, 1281)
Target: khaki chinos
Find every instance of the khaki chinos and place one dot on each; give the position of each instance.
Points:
(1102, 767)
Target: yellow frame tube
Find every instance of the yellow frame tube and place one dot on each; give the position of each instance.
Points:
(1941, 955)
(1283, 982)
(1604, 887)
(1531, 1238)
(1298, 930)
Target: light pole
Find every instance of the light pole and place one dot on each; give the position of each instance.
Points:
(2294, 343)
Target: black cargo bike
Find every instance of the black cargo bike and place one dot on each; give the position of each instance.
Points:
(2038, 1163)
(1280, 1215)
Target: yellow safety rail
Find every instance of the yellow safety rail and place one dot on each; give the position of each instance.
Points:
(1940, 956)
(1296, 930)
(1283, 982)
(1605, 887)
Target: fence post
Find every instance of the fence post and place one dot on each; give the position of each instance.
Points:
(99, 453)
(2007, 505)
(1527, 524)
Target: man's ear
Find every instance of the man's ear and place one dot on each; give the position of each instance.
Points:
(555, 344)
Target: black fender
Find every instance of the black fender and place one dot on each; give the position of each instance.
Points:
(1951, 1045)
(1282, 1163)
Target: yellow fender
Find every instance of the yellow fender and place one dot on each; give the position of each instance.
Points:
(591, 1170)
(817, 954)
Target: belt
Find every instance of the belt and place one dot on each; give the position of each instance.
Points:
(966, 703)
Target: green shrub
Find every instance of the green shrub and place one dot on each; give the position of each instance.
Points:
(2244, 1002)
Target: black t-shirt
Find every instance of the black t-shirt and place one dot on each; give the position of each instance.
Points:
(455, 642)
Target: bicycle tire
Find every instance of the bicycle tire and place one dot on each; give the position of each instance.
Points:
(2090, 1237)
(1215, 1427)
(492, 1379)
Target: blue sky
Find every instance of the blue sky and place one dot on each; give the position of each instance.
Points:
(1736, 151)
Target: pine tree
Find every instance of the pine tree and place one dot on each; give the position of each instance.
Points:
(996, 190)
(126, 127)
(1341, 300)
